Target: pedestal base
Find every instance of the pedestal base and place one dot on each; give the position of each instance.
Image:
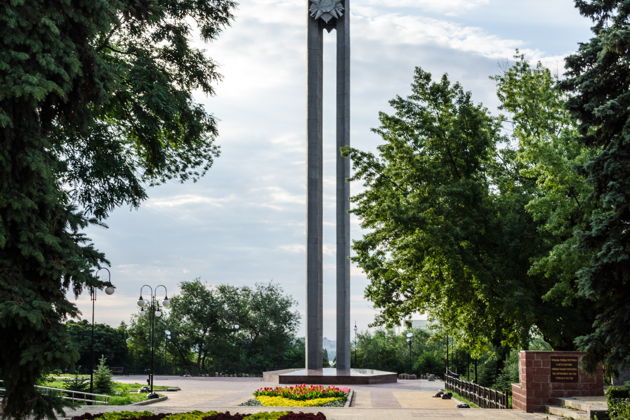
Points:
(332, 376)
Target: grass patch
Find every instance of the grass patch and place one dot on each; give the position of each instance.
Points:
(121, 387)
(462, 399)
(122, 393)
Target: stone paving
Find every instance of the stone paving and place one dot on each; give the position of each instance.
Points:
(403, 400)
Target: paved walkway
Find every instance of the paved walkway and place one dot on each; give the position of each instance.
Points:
(403, 400)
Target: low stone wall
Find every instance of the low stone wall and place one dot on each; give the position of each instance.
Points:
(545, 375)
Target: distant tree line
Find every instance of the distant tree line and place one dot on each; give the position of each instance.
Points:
(206, 330)
(431, 352)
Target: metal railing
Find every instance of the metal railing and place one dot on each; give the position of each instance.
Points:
(480, 395)
(67, 394)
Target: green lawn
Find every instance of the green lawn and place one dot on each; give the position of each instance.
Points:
(463, 399)
(122, 393)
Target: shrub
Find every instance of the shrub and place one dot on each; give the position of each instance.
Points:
(102, 378)
(226, 416)
(192, 415)
(618, 402)
(267, 416)
(126, 415)
(198, 415)
(78, 383)
(303, 416)
(118, 415)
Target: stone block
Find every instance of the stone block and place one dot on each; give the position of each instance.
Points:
(535, 390)
(541, 379)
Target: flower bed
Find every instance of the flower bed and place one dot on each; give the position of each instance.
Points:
(302, 396)
(198, 415)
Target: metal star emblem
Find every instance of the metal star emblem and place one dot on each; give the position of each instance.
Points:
(326, 10)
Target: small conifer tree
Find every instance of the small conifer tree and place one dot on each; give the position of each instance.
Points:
(102, 377)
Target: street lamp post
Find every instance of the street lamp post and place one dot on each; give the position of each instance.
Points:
(154, 311)
(108, 290)
(447, 354)
(167, 338)
(409, 336)
(355, 343)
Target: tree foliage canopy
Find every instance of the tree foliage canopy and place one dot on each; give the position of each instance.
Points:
(224, 329)
(95, 102)
(108, 342)
(599, 85)
(458, 207)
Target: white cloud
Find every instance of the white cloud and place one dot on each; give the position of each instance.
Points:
(356, 271)
(555, 64)
(397, 29)
(188, 200)
(293, 248)
(276, 198)
(327, 249)
(447, 7)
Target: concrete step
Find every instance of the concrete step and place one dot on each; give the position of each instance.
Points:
(554, 417)
(568, 412)
(582, 404)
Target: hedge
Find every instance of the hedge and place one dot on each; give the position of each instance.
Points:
(618, 402)
(198, 415)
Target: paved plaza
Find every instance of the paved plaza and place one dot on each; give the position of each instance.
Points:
(403, 400)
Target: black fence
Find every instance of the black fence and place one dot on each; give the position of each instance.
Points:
(480, 395)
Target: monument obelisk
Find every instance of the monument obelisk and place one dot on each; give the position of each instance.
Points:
(329, 15)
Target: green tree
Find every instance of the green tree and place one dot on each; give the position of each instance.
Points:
(545, 155)
(224, 329)
(471, 221)
(387, 350)
(108, 342)
(139, 343)
(382, 350)
(268, 327)
(95, 102)
(102, 377)
(598, 82)
(435, 240)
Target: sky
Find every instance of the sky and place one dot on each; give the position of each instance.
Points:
(244, 222)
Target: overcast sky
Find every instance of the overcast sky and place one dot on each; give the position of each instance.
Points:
(245, 221)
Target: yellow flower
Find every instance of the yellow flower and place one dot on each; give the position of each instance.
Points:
(286, 402)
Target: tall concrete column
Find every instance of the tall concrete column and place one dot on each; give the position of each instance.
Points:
(343, 190)
(314, 230)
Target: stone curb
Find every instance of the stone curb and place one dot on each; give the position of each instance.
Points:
(151, 401)
(349, 400)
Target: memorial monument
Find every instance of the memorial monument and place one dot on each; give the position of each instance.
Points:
(328, 15)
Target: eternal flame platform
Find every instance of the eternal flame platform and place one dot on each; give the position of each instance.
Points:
(330, 376)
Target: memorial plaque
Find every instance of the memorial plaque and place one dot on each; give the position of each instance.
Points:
(564, 369)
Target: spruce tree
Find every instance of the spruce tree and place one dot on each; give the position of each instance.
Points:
(102, 377)
(599, 81)
(95, 103)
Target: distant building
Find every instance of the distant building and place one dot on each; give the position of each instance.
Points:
(331, 348)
